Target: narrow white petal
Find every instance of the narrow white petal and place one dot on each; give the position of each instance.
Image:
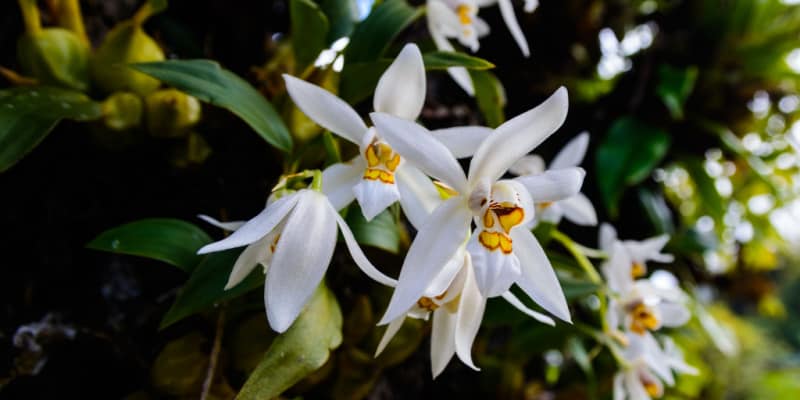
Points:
(435, 244)
(418, 146)
(619, 388)
(519, 305)
(649, 249)
(518, 137)
(470, 313)
(228, 226)
(607, 237)
(507, 11)
(553, 184)
(528, 165)
(250, 258)
(443, 340)
(401, 89)
(301, 258)
(437, 11)
(674, 314)
(444, 280)
(258, 227)
(579, 210)
(531, 5)
(617, 270)
(391, 330)
(329, 111)
(418, 195)
(538, 278)
(635, 388)
(654, 356)
(358, 255)
(338, 181)
(462, 141)
(572, 154)
(375, 196)
(462, 78)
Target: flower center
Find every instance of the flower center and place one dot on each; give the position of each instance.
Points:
(650, 386)
(498, 219)
(464, 14)
(431, 304)
(642, 318)
(382, 161)
(638, 270)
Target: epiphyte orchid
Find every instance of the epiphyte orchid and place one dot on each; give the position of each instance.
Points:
(502, 254)
(378, 176)
(578, 208)
(649, 304)
(293, 239)
(628, 258)
(648, 367)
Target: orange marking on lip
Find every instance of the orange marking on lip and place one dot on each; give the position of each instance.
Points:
(642, 318)
(463, 12)
(509, 217)
(496, 240)
(638, 270)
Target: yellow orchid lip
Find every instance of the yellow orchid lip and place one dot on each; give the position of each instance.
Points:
(464, 12)
(382, 162)
(642, 318)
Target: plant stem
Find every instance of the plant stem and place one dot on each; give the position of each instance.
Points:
(214, 356)
(582, 260)
(70, 17)
(30, 16)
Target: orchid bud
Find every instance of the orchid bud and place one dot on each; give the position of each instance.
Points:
(171, 113)
(126, 44)
(55, 56)
(122, 111)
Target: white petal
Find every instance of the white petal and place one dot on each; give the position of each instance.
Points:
(553, 184)
(375, 196)
(338, 181)
(228, 226)
(301, 258)
(443, 340)
(259, 226)
(358, 255)
(444, 280)
(418, 146)
(481, 27)
(391, 330)
(418, 195)
(507, 11)
(607, 237)
(573, 152)
(519, 305)
(617, 269)
(538, 278)
(462, 141)
(619, 388)
(435, 244)
(462, 78)
(674, 314)
(649, 249)
(252, 255)
(579, 210)
(437, 12)
(635, 388)
(517, 137)
(401, 89)
(653, 356)
(495, 271)
(470, 313)
(528, 165)
(531, 5)
(329, 111)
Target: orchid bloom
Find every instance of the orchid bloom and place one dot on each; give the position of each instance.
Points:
(635, 253)
(578, 208)
(458, 19)
(502, 254)
(649, 368)
(293, 239)
(378, 176)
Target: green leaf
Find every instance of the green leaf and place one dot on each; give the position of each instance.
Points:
(446, 59)
(28, 114)
(710, 199)
(209, 82)
(301, 350)
(626, 157)
(206, 286)
(342, 15)
(172, 241)
(490, 95)
(674, 87)
(309, 27)
(382, 232)
(374, 34)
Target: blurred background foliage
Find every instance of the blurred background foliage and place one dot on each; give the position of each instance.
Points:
(693, 110)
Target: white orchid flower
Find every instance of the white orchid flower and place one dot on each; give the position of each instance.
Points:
(628, 259)
(457, 307)
(649, 368)
(577, 209)
(378, 177)
(293, 239)
(501, 253)
(647, 308)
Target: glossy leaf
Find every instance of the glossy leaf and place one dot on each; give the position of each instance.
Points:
(674, 87)
(301, 350)
(490, 95)
(28, 114)
(172, 241)
(342, 17)
(309, 27)
(382, 232)
(209, 82)
(373, 36)
(205, 286)
(446, 59)
(626, 156)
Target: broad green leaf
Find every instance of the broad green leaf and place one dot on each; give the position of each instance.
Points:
(710, 199)
(490, 95)
(206, 286)
(342, 15)
(172, 241)
(446, 59)
(373, 35)
(301, 350)
(674, 87)
(309, 27)
(28, 114)
(626, 156)
(382, 232)
(209, 82)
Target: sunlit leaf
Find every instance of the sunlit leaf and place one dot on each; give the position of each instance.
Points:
(172, 241)
(301, 350)
(490, 95)
(28, 114)
(209, 82)
(309, 27)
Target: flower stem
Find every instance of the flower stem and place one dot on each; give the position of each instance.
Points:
(576, 252)
(30, 16)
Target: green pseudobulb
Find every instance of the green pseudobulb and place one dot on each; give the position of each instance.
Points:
(126, 44)
(56, 57)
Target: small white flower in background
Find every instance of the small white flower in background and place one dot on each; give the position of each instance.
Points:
(577, 209)
(649, 368)
(628, 258)
(501, 253)
(293, 239)
(645, 305)
(378, 177)
(458, 19)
